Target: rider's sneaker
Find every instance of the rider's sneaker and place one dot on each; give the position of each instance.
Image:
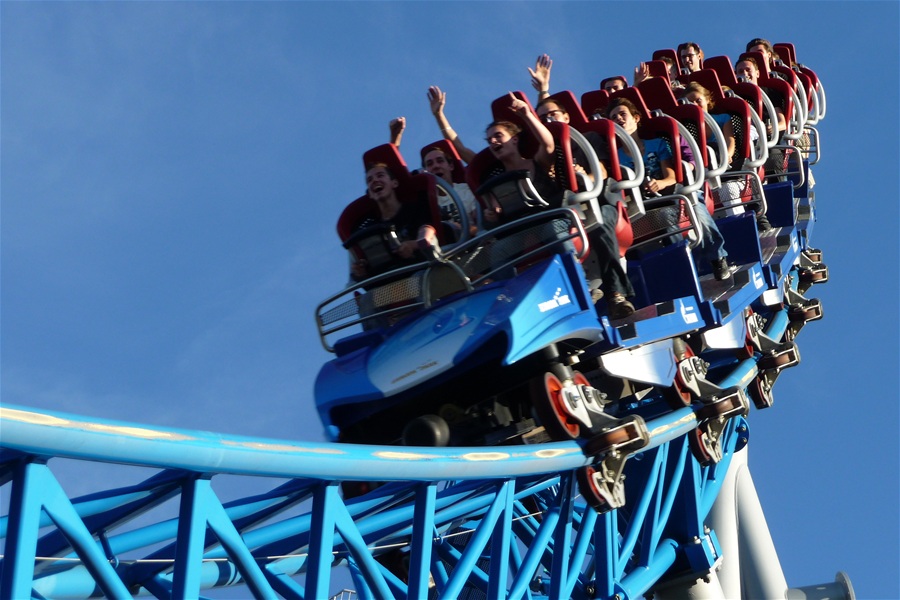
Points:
(721, 270)
(596, 292)
(619, 306)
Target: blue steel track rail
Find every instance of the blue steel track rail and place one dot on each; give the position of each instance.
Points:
(516, 504)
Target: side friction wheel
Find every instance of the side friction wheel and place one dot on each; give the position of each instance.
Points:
(588, 489)
(552, 409)
(678, 395)
(698, 448)
(760, 392)
(605, 440)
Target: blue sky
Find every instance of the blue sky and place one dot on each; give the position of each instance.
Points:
(172, 173)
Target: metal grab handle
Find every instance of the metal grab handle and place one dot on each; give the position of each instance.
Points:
(760, 147)
(460, 208)
(721, 150)
(588, 196)
(769, 109)
(638, 179)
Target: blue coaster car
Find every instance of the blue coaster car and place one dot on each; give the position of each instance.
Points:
(497, 340)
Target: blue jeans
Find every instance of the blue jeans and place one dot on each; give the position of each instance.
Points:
(712, 244)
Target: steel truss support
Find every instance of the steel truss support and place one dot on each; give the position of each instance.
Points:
(503, 522)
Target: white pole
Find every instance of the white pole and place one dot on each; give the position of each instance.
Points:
(692, 588)
(750, 566)
(761, 573)
(722, 519)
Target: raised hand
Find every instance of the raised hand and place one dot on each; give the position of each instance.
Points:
(641, 72)
(540, 75)
(397, 126)
(437, 99)
(518, 105)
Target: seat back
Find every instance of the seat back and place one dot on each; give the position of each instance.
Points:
(723, 67)
(668, 53)
(564, 163)
(514, 191)
(709, 79)
(658, 68)
(624, 200)
(807, 83)
(567, 100)
(752, 95)
(657, 93)
(388, 154)
(739, 112)
(693, 119)
(779, 91)
(667, 129)
(594, 101)
(786, 53)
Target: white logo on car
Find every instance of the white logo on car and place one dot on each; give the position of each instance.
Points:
(558, 299)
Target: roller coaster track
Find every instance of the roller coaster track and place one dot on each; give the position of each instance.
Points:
(451, 522)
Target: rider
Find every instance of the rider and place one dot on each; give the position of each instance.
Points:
(409, 222)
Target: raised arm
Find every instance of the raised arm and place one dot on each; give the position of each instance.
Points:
(437, 99)
(397, 126)
(540, 76)
(641, 73)
(546, 145)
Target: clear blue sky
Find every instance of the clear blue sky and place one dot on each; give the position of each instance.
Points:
(172, 173)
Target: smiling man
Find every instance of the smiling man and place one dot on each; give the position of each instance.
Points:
(404, 223)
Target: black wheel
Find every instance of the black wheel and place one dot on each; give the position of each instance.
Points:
(805, 313)
(603, 441)
(816, 275)
(698, 449)
(775, 361)
(760, 393)
(551, 408)
(677, 395)
(588, 490)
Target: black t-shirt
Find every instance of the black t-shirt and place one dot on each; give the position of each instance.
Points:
(387, 234)
(545, 185)
(600, 146)
(406, 222)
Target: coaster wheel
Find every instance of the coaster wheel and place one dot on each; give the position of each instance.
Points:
(786, 356)
(698, 448)
(605, 440)
(550, 405)
(747, 350)
(588, 489)
(678, 395)
(817, 274)
(810, 311)
(760, 392)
